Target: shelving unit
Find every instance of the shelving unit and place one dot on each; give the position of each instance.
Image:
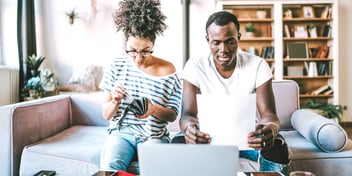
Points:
(262, 36)
(281, 27)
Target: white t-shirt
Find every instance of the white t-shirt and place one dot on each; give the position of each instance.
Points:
(251, 71)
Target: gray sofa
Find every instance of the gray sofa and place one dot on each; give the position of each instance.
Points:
(65, 133)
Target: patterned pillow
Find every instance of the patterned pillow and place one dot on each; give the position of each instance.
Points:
(88, 76)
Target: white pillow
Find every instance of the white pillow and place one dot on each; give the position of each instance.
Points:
(324, 133)
(87, 76)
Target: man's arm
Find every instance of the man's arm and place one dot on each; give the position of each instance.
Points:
(189, 122)
(266, 104)
(268, 125)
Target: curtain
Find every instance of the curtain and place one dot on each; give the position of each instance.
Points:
(26, 37)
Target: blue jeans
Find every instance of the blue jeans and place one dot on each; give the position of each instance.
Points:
(264, 164)
(274, 159)
(120, 148)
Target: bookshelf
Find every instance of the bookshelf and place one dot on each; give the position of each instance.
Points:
(305, 30)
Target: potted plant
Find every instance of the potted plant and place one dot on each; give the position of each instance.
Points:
(249, 27)
(33, 88)
(312, 30)
(328, 110)
(33, 63)
(72, 15)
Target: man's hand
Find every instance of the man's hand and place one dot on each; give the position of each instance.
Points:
(263, 137)
(194, 136)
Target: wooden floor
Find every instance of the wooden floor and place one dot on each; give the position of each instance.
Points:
(348, 128)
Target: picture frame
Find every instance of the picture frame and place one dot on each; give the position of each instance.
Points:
(308, 12)
(297, 50)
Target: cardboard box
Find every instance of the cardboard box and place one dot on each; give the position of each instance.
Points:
(295, 71)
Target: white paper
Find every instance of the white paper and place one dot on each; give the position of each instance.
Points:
(227, 118)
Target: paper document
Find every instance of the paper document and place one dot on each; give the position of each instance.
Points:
(227, 118)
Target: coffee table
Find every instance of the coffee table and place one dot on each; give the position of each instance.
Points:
(109, 173)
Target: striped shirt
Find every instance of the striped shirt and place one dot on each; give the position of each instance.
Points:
(161, 90)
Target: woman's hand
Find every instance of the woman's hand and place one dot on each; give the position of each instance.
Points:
(117, 93)
(150, 110)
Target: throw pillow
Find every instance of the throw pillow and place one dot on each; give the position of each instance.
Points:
(87, 76)
(324, 133)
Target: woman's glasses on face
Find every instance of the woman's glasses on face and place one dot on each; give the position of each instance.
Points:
(134, 53)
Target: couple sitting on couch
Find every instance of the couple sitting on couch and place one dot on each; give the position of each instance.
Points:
(144, 92)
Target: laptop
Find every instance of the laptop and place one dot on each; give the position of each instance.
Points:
(187, 160)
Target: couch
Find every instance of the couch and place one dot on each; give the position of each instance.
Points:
(65, 133)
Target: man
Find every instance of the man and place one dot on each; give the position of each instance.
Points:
(228, 70)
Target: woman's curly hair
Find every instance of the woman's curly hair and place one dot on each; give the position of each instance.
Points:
(140, 18)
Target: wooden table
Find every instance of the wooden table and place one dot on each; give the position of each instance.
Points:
(109, 173)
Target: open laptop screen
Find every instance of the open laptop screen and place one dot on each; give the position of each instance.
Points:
(187, 160)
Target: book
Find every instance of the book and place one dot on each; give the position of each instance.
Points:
(263, 52)
(306, 66)
(323, 52)
(270, 52)
(325, 12)
(321, 90)
(287, 31)
(327, 31)
(267, 52)
(329, 92)
(322, 68)
(297, 50)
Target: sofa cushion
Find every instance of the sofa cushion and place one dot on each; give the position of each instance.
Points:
(324, 133)
(76, 150)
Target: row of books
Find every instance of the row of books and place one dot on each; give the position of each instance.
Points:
(323, 68)
(268, 52)
(299, 31)
(323, 90)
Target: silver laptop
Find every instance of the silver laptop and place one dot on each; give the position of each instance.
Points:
(187, 160)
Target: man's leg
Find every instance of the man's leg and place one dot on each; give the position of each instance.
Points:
(275, 158)
(178, 138)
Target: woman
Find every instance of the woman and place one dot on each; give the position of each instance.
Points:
(139, 75)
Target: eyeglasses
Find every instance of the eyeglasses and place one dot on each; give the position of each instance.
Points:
(134, 53)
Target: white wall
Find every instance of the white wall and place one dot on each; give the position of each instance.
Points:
(94, 40)
(345, 62)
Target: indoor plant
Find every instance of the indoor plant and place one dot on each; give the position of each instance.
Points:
(328, 110)
(34, 88)
(249, 27)
(72, 15)
(33, 63)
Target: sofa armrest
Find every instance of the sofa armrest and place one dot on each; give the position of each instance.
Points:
(27, 123)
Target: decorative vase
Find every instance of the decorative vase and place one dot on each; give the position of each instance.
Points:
(313, 32)
(34, 94)
(261, 14)
(249, 34)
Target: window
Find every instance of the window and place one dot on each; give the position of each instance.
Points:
(8, 33)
